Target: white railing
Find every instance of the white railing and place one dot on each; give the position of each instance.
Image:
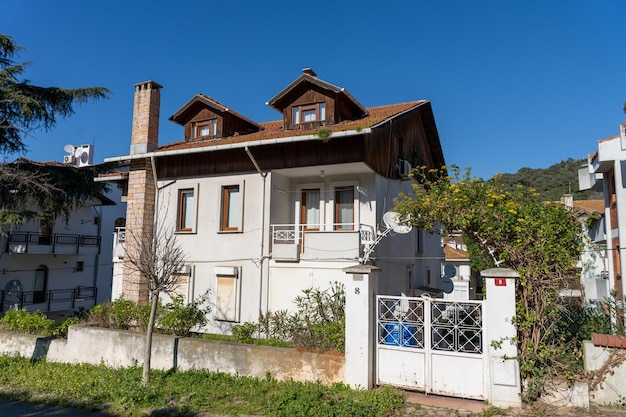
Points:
(121, 234)
(293, 233)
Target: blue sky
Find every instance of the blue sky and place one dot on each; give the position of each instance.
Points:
(513, 83)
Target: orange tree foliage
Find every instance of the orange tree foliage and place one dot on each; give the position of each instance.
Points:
(540, 240)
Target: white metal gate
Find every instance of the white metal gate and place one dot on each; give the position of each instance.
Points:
(431, 345)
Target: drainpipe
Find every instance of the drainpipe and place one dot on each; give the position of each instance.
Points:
(97, 263)
(262, 257)
(156, 189)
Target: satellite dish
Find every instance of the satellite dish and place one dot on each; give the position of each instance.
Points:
(391, 219)
(447, 285)
(69, 149)
(449, 270)
(14, 288)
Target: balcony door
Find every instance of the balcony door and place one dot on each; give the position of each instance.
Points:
(41, 283)
(310, 206)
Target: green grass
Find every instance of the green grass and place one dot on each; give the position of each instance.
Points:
(120, 392)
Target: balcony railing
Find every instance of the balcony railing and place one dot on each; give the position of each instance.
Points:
(291, 242)
(39, 243)
(293, 233)
(51, 300)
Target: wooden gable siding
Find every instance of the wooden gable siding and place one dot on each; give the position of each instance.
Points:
(269, 157)
(227, 124)
(202, 115)
(315, 95)
(404, 137)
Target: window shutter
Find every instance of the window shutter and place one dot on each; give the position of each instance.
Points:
(227, 298)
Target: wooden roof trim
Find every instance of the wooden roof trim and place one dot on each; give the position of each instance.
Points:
(316, 81)
(204, 99)
(274, 129)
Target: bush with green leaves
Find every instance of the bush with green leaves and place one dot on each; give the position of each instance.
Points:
(275, 325)
(117, 314)
(243, 332)
(23, 321)
(318, 323)
(178, 318)
(175, 317)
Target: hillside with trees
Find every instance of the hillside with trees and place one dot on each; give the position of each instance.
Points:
(552, 182)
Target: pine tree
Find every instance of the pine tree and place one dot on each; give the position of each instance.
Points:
(25, 107)
(28, 190)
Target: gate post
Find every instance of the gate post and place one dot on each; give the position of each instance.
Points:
(504, 376)
(360, 329)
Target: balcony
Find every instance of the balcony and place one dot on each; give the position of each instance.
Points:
(52, 244)
(51, 300)
(295, 242)
(119, 243)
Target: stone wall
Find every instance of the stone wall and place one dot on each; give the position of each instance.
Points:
(118, 348)
(610, 363)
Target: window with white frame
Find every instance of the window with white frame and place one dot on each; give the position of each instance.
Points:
(231, 208)
(227, 293)
(309, 113)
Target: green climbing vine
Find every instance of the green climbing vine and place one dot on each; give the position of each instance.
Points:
(515, 229)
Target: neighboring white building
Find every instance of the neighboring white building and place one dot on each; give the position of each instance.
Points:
(593, 264)
(605, 172)
(63, 266)
(266, 210)
(458, 272)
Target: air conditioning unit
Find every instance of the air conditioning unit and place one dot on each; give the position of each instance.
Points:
(68, 159)
(404, 168)
(83, 155)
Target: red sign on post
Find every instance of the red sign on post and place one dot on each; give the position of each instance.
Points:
(500, 282)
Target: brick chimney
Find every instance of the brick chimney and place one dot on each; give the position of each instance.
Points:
(141, 199)
(145, 135)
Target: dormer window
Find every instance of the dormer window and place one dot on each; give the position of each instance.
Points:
(204, 128)
(309, 113)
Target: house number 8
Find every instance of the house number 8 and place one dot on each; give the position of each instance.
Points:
(357, 290)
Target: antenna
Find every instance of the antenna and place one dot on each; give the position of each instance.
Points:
(14, 290)
(447, 286)
(392, 222)
(391, 219)
(69, 149)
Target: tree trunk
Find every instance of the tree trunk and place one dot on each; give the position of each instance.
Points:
(147, 353)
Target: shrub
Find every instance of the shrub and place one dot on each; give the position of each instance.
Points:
(243, 332)
(61, 330)
(179, 318)
(23, 321)
(275, 325)
(123, 313)
(319, 322)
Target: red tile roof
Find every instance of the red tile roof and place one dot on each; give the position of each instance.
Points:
(274, 129)
(589, 205)
(609, 138)
(455, 254)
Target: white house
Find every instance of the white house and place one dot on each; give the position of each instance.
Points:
(593, 263)
(61, 266)
(265, 210)
(605, 172)
(463, 284)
